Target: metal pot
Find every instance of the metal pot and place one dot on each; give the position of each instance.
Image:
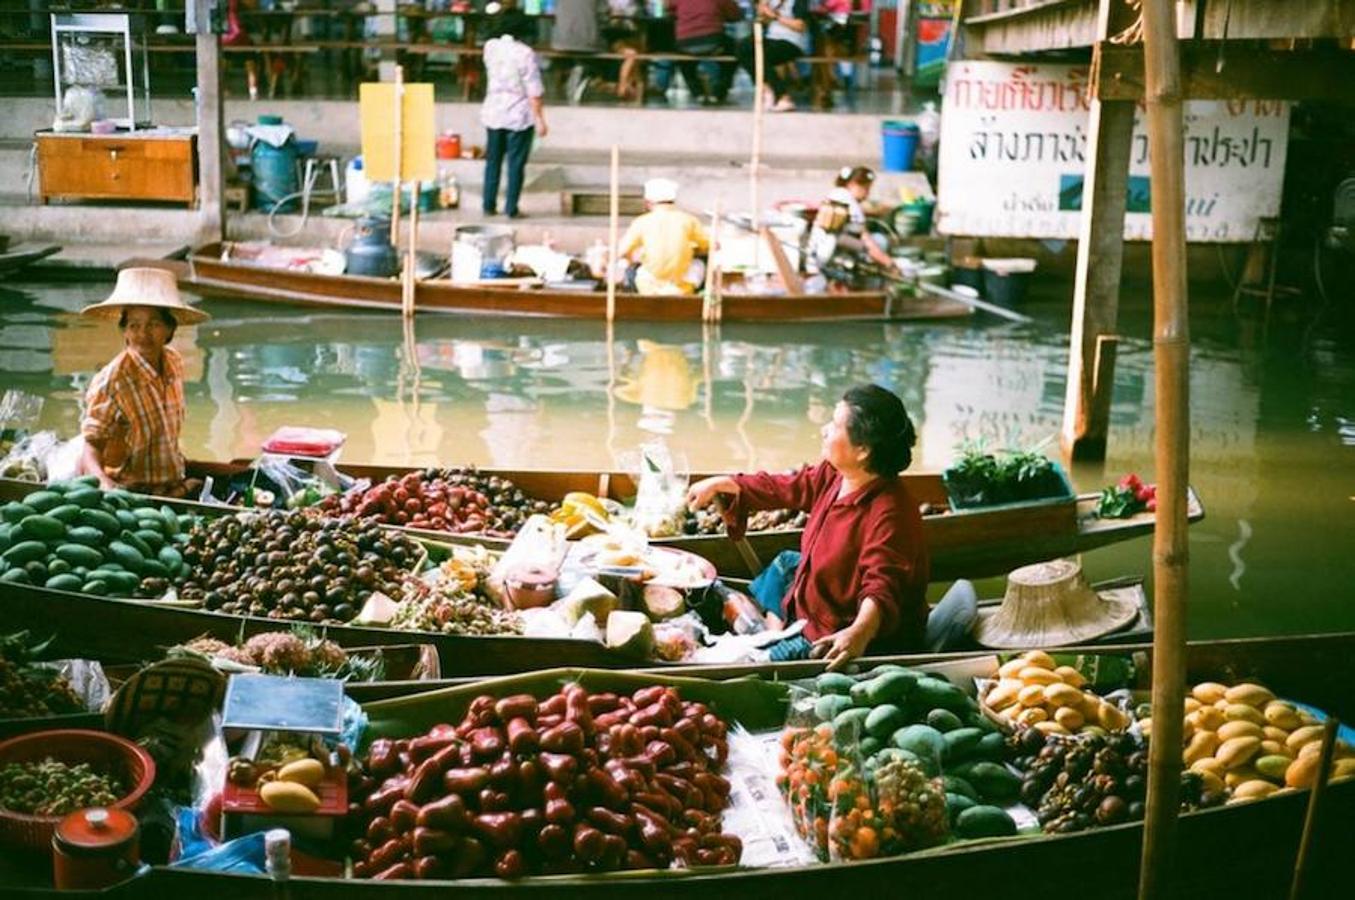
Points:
(370, 252)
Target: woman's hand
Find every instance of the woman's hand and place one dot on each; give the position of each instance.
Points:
(841, 647)
(541, 129)
(703, 492)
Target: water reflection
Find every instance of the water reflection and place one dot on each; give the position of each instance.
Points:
(1272, 422)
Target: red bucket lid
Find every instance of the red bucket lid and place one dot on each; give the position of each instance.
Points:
(94, 830)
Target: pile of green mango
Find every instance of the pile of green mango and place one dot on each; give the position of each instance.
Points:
(72, 536)
(895, 711)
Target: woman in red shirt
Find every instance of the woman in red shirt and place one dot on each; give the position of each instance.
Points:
(864, 566)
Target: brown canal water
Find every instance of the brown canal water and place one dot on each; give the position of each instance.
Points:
(1272, 411)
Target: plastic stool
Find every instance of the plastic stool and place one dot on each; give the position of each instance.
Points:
(323, 165)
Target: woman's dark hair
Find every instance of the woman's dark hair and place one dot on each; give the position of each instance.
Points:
(878, 421)
(515, 23)
(165, 316)
(857, 175)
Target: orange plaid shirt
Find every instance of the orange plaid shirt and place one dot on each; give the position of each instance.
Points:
(138, 414)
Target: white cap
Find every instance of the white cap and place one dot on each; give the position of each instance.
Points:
(661, 190)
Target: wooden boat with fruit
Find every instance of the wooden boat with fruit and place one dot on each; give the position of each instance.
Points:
(212, 272)
(965, 543)
(1237, 850)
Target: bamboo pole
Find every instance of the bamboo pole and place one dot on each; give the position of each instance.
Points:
(409, 282)
(399, 154)
(1171, 357)
(1333, 725)
(613, 226)
(759, 103)
(709, 297)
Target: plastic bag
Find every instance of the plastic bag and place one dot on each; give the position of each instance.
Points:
(87, 679)
(661, 493)
(527, 573)
(19, 412)
(884, 805)
(27, 459)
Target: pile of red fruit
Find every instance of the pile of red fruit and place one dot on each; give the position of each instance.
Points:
(459, 501)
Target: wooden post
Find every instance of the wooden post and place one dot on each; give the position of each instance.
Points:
(1333, 725)
(1171, 358)
(709, 298)
(410, 281)
(211, 172)
(613, 227)
(1100, 253)
(789, 277)
(399, 153)
(755, 163)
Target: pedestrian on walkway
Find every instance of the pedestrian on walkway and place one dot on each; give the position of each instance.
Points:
(785, 37)
(513, 112)
(700, 29)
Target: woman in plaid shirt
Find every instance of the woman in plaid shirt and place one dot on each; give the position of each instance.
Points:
(134, 407)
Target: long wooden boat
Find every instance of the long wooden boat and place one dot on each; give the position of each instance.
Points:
(1243, 850)
(968, 543)
(207, 273)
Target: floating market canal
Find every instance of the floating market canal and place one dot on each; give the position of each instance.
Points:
(1273, 416)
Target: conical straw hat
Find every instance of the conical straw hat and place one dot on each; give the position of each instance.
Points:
(144, 286)
(1051, 604)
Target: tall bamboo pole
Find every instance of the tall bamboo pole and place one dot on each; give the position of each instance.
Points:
(399, 154)
(613, 226)
(759, 103)
(1171, 359)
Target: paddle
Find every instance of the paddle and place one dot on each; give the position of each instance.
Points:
(746, 551)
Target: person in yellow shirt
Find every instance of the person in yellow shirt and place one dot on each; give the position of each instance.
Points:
(665, 242)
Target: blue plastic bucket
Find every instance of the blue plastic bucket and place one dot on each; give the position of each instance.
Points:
(900, 145)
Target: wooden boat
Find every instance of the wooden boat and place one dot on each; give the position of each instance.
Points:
(208, 274)
(1244, 850)
(129, 631)
(12, 260)
(969, 543)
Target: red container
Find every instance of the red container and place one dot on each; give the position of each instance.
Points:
(449, 146)
(72, 746)
(95, 848)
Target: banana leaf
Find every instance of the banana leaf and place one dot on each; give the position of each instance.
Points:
(752, 701)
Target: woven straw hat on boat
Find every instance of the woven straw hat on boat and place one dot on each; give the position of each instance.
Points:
(145, 286)
(1051, 604)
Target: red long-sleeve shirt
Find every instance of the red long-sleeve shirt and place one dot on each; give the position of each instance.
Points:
(869, 543)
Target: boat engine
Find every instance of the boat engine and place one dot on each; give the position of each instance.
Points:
(1341, 233)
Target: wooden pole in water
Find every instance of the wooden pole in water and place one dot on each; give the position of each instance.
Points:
(410, 279)
(613, 226)
(759, 102)
(710, 297)
(1171, 357)
(1333, 725)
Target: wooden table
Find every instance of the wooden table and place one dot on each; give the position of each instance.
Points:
(153, 164)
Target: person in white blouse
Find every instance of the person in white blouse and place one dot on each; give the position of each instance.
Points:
(513, 112)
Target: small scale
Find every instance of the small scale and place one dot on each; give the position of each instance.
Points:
(302, 707)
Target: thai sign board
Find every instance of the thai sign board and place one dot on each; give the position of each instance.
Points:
(1014, 141)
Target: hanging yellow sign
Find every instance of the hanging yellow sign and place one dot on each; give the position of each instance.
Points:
(378, 109)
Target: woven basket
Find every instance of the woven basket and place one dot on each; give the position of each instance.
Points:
(72, 746)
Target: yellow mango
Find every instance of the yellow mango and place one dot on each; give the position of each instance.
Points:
(1252, 695)
(1305, 735)
(1039, 658)
(1191, 705)
(1273, 733)
(1031, 695)
(1275, 748)
(1254, 790)
(1146, 726)
(1282, 715)
(1302, 772)
(1051, 728)
(1234, 777)
(1069, 718)
(1212, 782)
(1202, 746)
(1342, 768)
(1207, 718)
(1207, 764)
(1038, 675)
(1012, 668)
(1071, 676)
(1237, 728)
(1238, 751)
(1033, 715)
(1063, 695)
(1307, 718)
(1110, 717)
(1221, 705)
(309, 772)
(1241, 712)
(288, 797)
(1209, 691)
(1001, 697)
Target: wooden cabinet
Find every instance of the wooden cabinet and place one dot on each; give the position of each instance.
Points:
(148, 165)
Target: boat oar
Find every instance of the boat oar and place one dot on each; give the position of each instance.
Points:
(746, 551)
(1319, 787)
(973, 302)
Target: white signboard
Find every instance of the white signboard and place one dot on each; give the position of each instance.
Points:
(1014, 146)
